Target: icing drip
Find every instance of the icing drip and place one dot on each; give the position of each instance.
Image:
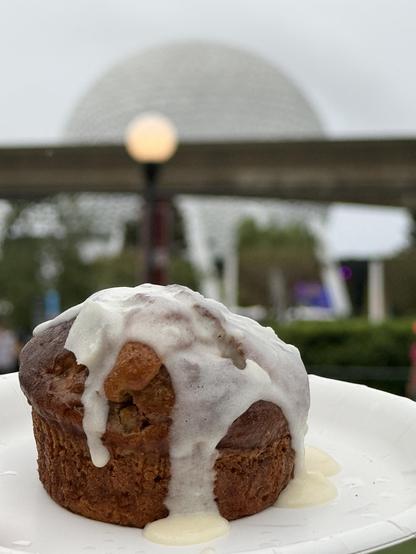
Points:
(318, 460)
(311, 487)
(219, 364)
(186, 529)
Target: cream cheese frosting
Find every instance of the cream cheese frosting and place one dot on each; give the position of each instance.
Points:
(219, 362)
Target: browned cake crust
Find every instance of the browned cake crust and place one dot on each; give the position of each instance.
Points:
(255, 459)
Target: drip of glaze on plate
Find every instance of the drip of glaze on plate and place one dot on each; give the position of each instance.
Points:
(219, 363)
(311, 486)
(186, 529)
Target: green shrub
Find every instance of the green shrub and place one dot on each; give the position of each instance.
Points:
(350, 344)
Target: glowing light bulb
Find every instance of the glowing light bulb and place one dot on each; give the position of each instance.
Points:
(151, 138)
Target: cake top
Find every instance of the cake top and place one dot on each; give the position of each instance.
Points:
(219, 363)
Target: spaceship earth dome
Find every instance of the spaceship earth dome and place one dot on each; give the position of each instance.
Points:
(210, 91)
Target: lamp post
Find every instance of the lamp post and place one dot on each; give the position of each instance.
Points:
(151, 140)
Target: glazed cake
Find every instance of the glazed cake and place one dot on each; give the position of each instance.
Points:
(154, 400)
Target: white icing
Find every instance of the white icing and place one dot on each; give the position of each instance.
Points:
(219, 363)
(180, 530)
(311, 486)
(318, 460)
(67, 315)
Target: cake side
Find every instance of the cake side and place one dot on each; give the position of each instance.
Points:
(255, 459)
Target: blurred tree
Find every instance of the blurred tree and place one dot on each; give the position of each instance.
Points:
(400, 282)
(120, 270)
(44, 247)
(20, 280)
(412, 213)
(264, 252)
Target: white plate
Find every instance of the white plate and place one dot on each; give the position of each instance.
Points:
(370, 433)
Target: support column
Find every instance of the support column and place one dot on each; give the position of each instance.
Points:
(336, 289)
(376, 296)
(230, 278)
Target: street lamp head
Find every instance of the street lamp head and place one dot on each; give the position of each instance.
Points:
(151, 138)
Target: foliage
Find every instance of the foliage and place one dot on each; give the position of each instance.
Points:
(400, 282)
(350, 342)
(122, 270)
(338, 349)
(408, 547)
(182, 273)
(20, 282)
(34, 259)
(264, 250)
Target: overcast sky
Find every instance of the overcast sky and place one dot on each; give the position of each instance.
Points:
(354, 59)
